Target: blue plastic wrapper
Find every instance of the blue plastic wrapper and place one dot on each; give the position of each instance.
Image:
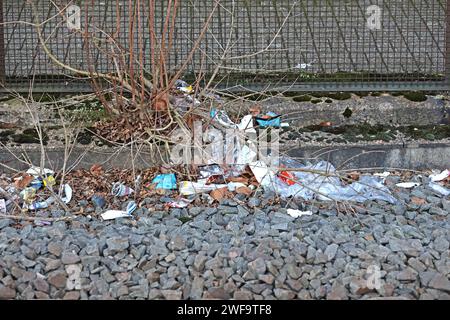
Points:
(274, 120)
(166, 181)
(36, 184)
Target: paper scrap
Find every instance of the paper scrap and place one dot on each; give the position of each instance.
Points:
(298, 213)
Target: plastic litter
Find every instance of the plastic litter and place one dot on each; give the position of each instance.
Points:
(222, 118)
(183, 86)
(246, 124)
(210, 170)
(121, 190)
(439, 189)
(49, 181)
(246, 155)
(440, 176)
(407, 185)
(271, 119)
(68, 194)
(184, 102)
(41, 205)
(287, 177)
(36, 172)
(298, 213)
(383, 175)
(263, 175)
(45, 204)
(181, 203)
(321, 185)
(166, 181)
(201, 186)
(114, 214)
(36, 184)
(233, 186)
(2, 206)
(28, 194)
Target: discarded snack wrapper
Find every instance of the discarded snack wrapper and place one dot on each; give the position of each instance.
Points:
(287, 177)
(114, 214)
(271, 119)
(36, 184)
(41, 205)
(49, 181)
(166, 181)
(121, 190)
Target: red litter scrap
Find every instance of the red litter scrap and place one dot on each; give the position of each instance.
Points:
(287, 178)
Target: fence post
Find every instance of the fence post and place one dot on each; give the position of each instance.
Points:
(447, 45)
(2, 48)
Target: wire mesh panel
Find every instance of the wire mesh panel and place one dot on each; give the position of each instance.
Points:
(308, 45)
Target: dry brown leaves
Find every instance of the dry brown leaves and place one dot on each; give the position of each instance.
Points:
(96, 180)
(221, 193)
(132, 125)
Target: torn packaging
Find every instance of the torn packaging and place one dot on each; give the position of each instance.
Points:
(322, 185)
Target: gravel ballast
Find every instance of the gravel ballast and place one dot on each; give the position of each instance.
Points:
(250, 249)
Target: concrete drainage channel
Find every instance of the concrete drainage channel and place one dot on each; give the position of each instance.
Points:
(379, 131)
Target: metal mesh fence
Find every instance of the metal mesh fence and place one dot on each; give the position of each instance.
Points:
(308, 45)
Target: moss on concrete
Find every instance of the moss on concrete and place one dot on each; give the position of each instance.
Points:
(30, 136)
(302, 98)
(416, 96)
